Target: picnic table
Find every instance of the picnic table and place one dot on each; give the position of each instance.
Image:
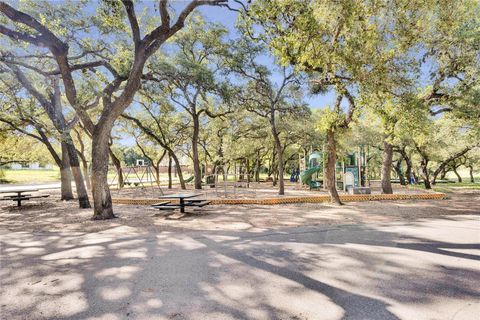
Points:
(20, 196)
(182, 202)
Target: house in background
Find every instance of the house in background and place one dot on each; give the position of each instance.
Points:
(30, 166)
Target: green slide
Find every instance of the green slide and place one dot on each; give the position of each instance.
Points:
(306, 175)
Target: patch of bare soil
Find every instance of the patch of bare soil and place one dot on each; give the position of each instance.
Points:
(52, 215)
(256, 190)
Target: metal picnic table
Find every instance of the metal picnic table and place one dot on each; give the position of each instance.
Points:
(182, 203)
(20, 196)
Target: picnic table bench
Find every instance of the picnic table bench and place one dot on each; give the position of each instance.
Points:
(21, 196)
(184, 201)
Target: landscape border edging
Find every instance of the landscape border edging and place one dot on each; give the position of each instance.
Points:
(300, 199)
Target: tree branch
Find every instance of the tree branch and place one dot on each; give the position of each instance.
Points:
(132, 18)
(164, 14)
(46, 37)
(155, 38)
(441, 110)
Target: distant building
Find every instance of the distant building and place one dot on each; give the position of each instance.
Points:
(15, 166)
(30, 166)
(34, 166)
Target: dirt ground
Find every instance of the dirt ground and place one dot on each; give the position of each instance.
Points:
(52, 214)
(378, 260)
(256, 190)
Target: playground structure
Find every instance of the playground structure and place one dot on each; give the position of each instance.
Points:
(142, 176)
(310, 176)
(351, 172)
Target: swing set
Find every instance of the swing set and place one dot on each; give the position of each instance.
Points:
(137, 176)
(238, 182)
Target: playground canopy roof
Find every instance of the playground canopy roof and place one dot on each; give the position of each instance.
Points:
(315, 155)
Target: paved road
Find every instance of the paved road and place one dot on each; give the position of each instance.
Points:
(416, 270)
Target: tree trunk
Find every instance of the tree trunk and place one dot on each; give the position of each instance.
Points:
(425, 174)
(450, 160)
(257, 167)
(169, 172)
(86, 173)
(197, 172)
(88, 179)
(387, 167)
(271, 167)
(63, 163)
(278, 147)
(54, 112)
(100, 189)
(398, 170)
(118, 166)
(82, 194)
(65, 175)
(472, 179)
(408, 170)
(444, 173)
(83, 159)
(157, 173)
(247, 166)
(273, 174)
(179, 170)
(443, 170)
(241, 173)
(330, 182)
(281, 182)
(456, 173)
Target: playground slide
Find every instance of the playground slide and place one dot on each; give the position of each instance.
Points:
(306, 175)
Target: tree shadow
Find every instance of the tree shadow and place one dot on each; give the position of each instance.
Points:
(354, 305)
(349, 272)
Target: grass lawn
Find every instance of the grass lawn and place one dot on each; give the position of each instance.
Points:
(30, 176)
(451, 186)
